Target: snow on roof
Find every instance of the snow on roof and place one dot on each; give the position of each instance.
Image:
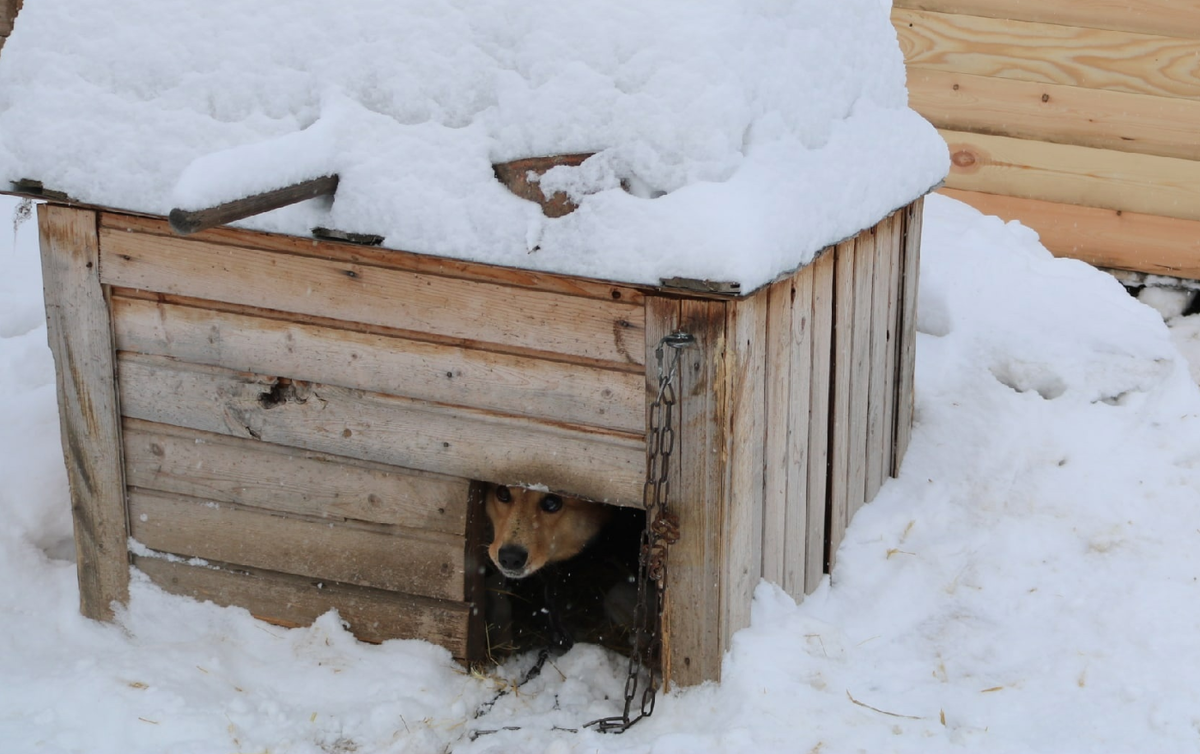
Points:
(748, 134)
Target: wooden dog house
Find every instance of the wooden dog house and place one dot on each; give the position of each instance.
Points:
(306, 418)
(291, 423)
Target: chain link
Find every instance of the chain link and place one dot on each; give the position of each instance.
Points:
(662, 531)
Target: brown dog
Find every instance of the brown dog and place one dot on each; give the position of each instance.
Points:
(532, 528)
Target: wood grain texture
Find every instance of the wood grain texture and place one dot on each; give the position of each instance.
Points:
(80, 336)
(1074, 175)
(8, 13)
(256, 474)
(374, 615)
(424, 264)
(842, 401)
(1103, 237)
(897, 223)
(860, 372)
(879, 422)
(398, 560)
(1168, 18)
(820, 429)
(599, 465)
(1049, 53)
(1138, 123)
(426, 371)
(694, 566)
(745, 375)
(908, 330)
(778, 431)
(797, 536)
(567, 325)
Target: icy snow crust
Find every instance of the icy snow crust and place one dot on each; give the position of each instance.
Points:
(752, 133)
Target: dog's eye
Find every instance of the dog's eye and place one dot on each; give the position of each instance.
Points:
(503, 495)
(552, 503)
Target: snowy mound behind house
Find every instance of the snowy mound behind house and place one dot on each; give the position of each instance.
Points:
(732, 140)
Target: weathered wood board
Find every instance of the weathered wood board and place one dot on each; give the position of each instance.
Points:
(374, 615)
(80, 336)
(408, 560)
(461, 442)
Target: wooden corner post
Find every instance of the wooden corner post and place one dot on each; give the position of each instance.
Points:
(79, 331)
(716, 477)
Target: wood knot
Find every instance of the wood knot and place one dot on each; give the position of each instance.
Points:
(963, 158)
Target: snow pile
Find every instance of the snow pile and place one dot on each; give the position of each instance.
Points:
(1029, 583)
(750, 133)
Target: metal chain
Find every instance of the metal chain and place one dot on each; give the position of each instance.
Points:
(662, 530)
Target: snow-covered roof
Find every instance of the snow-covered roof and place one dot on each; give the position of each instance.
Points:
(733, 138)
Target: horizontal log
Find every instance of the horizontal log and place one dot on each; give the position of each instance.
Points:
(1168, 18)
(1105, 238)
(398, 560)
(185, 222)
(1140, 123)
(597, 464)
(609, 331)
(373, 614)
(1047, 53)
(1074, 175)
(435, 372)
(260, 475)
(388, 258)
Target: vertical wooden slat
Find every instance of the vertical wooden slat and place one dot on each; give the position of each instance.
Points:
(860, 370)
(908, 330)
(839, 444)
(474, 587)
(879, 426)
(799, 411)
(779, 481)
(693, 613)
(896, 253)
(79, 331)
(745, 376)
(821, 401)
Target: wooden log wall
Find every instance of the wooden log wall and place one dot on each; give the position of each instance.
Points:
(296, 425)
(1077, 118)
(795, 405)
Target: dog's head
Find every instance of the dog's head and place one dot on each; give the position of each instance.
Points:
(531, 528)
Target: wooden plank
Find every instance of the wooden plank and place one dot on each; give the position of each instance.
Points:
(398, 560)
(779, 397)
(1074, 175)
(1103, 237)
(895, 301)
(1140, 123)
(1048, 53)
(799, 419)
(256, 474)
(374, 615)
(185, 222)
(745, 375)
(80, 336)
(820, 430)
(842, 400)
(694, 614)
(879, 428)
(566, 325)
(908, 330)
(475, 559)
(1168, 18)
(860, 370)
(425, 264)
(597, 464)
(378, 363)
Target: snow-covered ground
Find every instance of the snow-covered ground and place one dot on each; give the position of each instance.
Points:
(1029, 583)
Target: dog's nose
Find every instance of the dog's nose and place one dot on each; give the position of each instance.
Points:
(513, 557)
